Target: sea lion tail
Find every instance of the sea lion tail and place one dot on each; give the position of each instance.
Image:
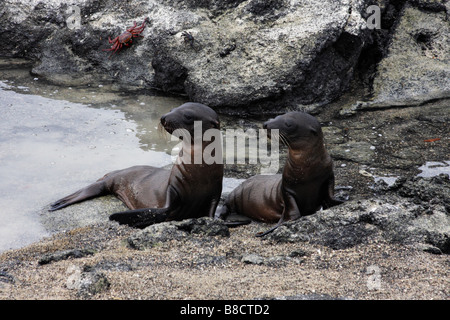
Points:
(141, 218)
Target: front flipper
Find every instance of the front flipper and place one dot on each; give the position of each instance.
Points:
(141, 218)
(328, 199)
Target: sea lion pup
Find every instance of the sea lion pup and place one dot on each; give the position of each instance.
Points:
(306, 184)
(190, 189)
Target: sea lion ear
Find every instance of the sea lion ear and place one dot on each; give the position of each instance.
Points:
(215, 124)
(313, 131)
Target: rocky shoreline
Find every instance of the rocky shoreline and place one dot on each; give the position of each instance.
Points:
(381, 95)
(112, 263)
(400, 231)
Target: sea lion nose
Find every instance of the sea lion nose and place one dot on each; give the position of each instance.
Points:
(163, 119)
(266, 124)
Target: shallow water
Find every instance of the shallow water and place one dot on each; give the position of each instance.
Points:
(55, 140)
(434, 168)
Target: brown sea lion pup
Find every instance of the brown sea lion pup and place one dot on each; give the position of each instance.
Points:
(189, 190)
(306, 184)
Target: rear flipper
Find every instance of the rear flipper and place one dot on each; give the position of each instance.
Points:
(94, 190)
(141, 218)
(235, 220)
(231, 219)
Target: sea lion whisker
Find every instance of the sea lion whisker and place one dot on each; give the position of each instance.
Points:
(162, 133)
(276, 134)
(284, 139)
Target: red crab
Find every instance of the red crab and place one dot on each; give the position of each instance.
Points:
(126, 38)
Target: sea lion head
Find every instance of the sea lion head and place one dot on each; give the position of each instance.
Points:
(296, 128)
(188, 115)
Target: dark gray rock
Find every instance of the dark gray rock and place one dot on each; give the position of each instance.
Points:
(241, 51)
(86, 281)
(271, 261)
(260, 51)
(203, 226)
(356, 151)
(249, 53)
(416, 68)
(417, 215)
(93, 283)
(435, 190)
(298, 253)
(64, 255)
(176, 230)
(154, 235)
(6, 278)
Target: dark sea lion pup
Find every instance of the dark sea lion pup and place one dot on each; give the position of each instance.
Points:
(189, 190)
(306, 184)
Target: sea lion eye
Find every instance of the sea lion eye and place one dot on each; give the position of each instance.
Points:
(288, 123)
(187, 117)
